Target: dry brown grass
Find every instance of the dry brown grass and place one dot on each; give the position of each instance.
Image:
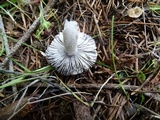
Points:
(136, 49)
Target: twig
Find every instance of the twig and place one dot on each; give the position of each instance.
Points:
(105, 86)
(145, 28)
(4, 36)
(136, 60)
(96, 21)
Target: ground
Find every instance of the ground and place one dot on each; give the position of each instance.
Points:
(123, 84)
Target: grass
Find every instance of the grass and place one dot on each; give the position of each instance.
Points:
(43, 23)
(8, 13)
(22, 77)
(113, 58)
(155, 8)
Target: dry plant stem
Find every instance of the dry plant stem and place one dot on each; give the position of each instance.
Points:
(134, 22)
(25, 37)
(141, 55)
(107, 86)
(2, 30)
(145, 28)
(132, 88)
(96, 21)
(7, 48)
(136, 63)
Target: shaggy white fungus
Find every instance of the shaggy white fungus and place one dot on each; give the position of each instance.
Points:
(71, 52)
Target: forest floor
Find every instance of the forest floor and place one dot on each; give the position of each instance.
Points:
(123, 84)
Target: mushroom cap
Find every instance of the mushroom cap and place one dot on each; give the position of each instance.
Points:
(75, 64)
(135, 12)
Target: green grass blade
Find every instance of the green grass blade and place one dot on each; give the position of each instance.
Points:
(113, 57)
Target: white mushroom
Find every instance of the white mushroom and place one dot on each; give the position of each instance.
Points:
(134, 12)
(71, 52)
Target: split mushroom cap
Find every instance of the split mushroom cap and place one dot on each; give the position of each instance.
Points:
(71, 52)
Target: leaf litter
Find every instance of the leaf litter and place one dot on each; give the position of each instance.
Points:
(34, 90)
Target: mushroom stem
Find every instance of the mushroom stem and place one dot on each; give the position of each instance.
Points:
(70, 37)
